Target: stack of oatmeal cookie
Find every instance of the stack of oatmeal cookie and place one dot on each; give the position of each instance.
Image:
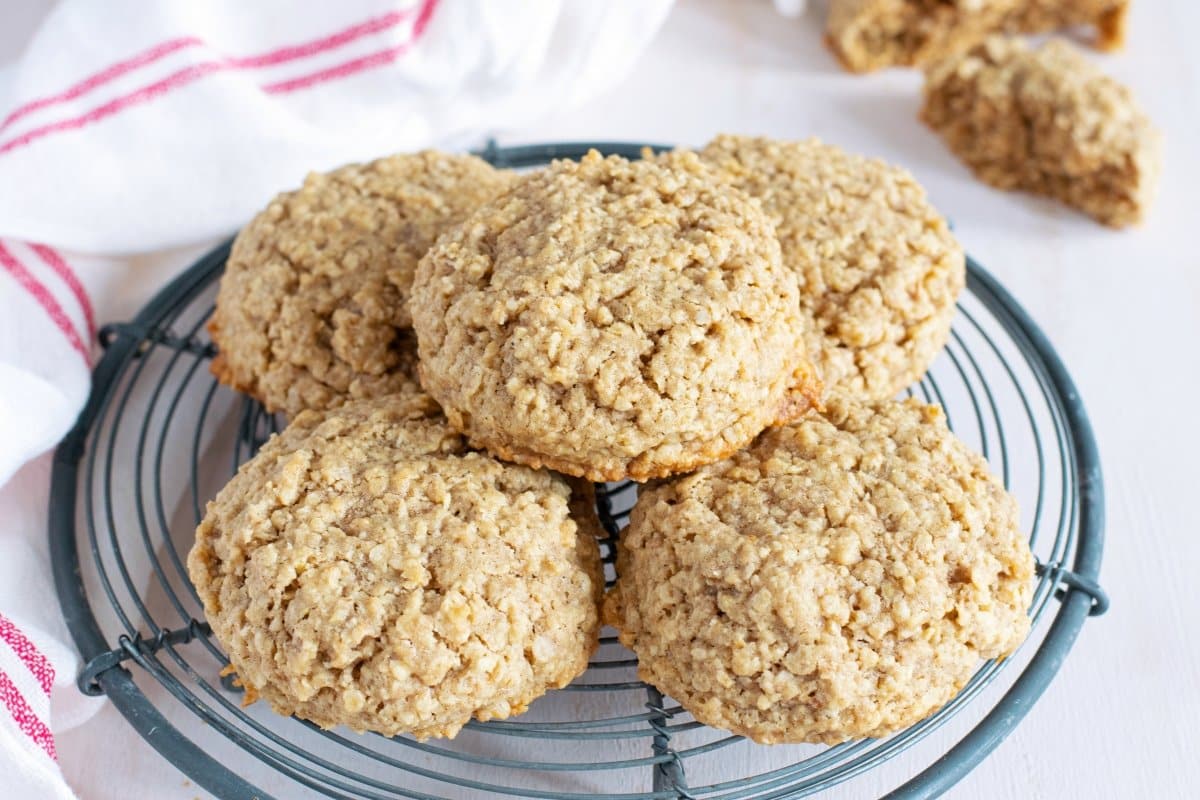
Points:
(459, 349)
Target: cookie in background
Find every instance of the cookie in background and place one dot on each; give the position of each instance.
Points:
(867, 35)
(1047, 120)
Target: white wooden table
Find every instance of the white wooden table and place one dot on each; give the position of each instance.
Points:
(1123, 309)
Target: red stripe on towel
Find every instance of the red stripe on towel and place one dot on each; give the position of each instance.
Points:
(359, 64)
(54, 260)
(194, 72)
(102, 77)
(292, 52)
(27, 651)
(23, 715)
(45, 299)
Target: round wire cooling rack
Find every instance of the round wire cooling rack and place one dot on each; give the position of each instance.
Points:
(158, 437)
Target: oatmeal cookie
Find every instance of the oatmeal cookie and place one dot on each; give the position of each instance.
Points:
(841, 578)
(1047, 121)
(871, 34)
(879, 269)
(366, 569)
(313, 306)
(613, 319)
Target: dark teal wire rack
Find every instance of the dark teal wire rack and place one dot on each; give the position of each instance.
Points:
(158, 437)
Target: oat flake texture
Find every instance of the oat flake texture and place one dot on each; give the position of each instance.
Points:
(313, 306)
(366, 569)
(841, 578)
(612, 319)
(879, 269)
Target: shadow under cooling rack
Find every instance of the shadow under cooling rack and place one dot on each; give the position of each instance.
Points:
(159, 437)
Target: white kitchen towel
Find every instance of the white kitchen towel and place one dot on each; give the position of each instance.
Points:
(131, 131)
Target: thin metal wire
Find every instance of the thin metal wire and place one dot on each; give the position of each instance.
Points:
(983, 437)
(159, 504)
(152, 412)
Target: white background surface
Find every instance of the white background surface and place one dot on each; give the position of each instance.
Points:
(1123, 309)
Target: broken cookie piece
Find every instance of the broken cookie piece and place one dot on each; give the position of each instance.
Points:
(1047, 121)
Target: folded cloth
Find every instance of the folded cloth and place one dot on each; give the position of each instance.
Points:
(132, 129)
